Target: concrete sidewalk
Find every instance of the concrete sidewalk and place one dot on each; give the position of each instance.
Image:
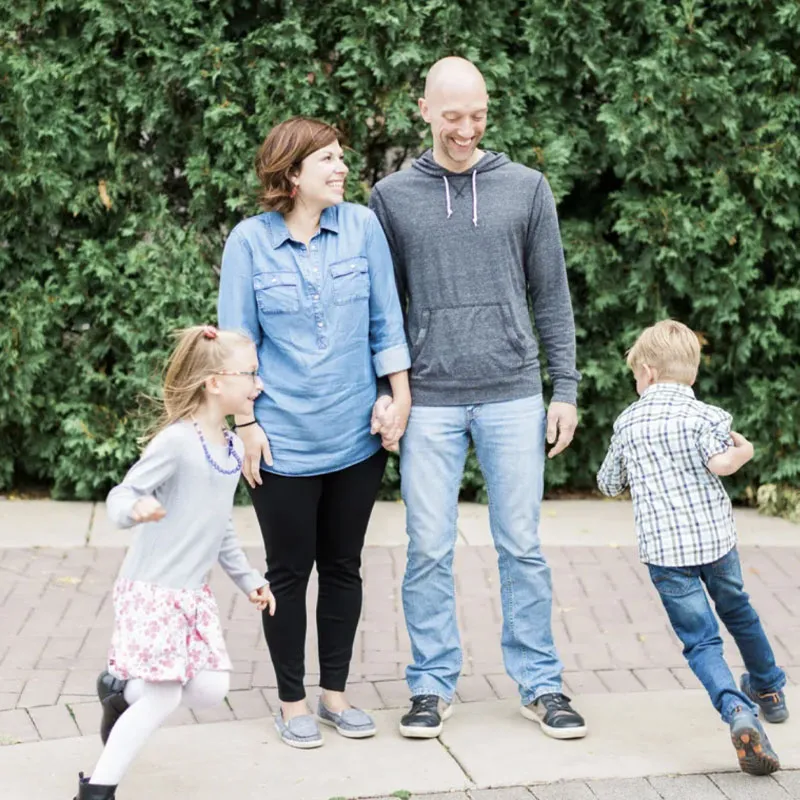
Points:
(564, 523)
(484, 746)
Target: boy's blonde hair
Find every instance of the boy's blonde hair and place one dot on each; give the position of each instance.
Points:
(670, 348)
(200, 351)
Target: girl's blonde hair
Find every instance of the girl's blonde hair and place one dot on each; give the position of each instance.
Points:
(200, 351)
(670, 348)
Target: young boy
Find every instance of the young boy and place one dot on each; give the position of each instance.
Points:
(670, 449)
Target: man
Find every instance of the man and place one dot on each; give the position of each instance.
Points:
(472, 235)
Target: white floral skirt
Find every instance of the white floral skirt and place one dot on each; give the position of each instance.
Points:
(163, 634)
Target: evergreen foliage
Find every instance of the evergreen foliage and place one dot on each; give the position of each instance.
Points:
(670, 132)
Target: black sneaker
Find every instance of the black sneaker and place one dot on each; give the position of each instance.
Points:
(426, 717)
(556, 716)
(772, 704)
(111, 693)
(755, 753)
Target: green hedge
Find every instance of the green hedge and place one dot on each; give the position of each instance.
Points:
(670, 133)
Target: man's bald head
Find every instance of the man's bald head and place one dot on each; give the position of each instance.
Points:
(453, 72)
(455, 106)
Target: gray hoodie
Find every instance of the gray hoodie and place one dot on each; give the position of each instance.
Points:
(469, 250)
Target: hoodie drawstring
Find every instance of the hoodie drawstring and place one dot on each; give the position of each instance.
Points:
(474, 197)
(447, 196)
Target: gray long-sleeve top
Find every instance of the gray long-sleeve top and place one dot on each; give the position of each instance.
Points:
(179, 550)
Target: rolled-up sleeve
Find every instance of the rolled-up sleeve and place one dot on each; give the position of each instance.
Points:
(387, 336)
(236, 305)
(613, 476)
(715, 437)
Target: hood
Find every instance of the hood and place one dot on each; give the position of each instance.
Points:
(489, 161)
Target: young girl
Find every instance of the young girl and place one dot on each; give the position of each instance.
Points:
(167, 647)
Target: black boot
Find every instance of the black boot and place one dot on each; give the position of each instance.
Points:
(90, 791)
(111, 692)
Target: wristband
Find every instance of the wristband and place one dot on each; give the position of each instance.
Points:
(244, 424)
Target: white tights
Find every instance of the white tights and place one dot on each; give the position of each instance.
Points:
(150, 705)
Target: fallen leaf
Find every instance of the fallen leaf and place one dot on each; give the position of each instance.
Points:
(102, 190)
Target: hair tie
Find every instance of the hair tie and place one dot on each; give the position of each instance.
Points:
(209, 331)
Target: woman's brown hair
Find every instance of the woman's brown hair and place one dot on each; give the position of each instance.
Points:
(281, 154)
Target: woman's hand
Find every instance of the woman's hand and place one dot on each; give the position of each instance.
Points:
(148, 509)
(256, 447)
(389, 419)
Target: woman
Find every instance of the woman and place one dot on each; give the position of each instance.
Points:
(311, 281)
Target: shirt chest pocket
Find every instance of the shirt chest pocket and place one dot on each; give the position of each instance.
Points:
(350, 280)
(277, 292)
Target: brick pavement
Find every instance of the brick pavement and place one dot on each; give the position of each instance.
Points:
(721, 786)
(56, 617)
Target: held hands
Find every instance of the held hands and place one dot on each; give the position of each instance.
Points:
(389, 419)
(562, 420)
(263, 598)
(256, 447)
(148, 509)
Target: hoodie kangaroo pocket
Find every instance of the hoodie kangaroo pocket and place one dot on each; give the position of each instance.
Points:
(466, 343)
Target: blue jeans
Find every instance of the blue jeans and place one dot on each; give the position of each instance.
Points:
(509, 443)
(688, 609)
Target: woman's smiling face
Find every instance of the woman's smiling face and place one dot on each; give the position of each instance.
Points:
(320, 182)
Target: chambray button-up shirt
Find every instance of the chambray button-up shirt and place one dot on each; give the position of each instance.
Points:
(327, 322)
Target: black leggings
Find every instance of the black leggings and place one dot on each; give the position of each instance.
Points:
(321, 518)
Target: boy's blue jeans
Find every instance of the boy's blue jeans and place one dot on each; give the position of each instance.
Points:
(509, 439)
(688, 609)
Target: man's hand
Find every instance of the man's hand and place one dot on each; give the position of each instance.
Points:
(562, 420)
(389, 419)
(148, 509)
(256, 447)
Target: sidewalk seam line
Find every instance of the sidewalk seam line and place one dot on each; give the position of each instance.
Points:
(88, 536)
(460, 765)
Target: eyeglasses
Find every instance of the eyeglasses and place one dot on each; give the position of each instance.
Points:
(253, 374)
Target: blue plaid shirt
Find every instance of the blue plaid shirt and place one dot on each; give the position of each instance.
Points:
(660, 448)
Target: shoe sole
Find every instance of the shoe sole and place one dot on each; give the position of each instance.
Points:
(753, 759)
(348, 734)
(418, 732)
(554, 733)
(299, 744)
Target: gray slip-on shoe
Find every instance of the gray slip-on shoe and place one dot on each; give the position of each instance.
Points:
(301, 732)
(353, 723)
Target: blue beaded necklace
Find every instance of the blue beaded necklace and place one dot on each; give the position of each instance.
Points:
(231, 451)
